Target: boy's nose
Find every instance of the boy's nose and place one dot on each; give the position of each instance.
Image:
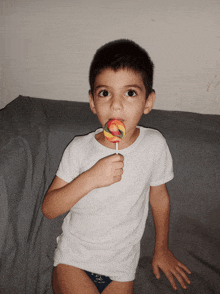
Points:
(116, 102)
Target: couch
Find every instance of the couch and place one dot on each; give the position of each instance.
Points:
(33, 135)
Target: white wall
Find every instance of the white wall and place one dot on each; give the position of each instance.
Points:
(46, 47)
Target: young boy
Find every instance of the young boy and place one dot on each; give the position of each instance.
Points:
(107, 194)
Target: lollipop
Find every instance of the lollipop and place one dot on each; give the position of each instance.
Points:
(114, 131)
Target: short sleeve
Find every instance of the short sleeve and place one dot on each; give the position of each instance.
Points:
(163, 165)
(68, 169)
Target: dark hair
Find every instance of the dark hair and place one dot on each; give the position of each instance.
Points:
(122, 53)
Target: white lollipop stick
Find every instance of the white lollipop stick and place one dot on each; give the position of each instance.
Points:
(116, 147)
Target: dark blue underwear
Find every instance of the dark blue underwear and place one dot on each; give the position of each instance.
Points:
(101, 282)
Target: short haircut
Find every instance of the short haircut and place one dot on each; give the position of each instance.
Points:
(119, 54)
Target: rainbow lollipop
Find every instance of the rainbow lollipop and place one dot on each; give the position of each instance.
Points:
(114, 131)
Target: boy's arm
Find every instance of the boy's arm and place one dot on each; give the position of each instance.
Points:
(62, 196)
(163, 258)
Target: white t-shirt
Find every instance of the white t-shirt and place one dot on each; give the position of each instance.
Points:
(102, 231)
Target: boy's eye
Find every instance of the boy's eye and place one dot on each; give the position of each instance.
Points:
(131, 93)
(104, 93)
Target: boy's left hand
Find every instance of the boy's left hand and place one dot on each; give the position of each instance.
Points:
(171, 267)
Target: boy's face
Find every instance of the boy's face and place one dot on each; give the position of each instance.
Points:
(120, 95)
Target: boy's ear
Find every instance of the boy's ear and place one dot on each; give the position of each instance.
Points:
(91, 102)
(150, 102)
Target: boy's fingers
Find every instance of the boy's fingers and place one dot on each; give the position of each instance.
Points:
(184, 268)
(118, 172)
(119, 165)
(156, 272)
(117, 178)
(118, 157)
(183, 274)
(172, 281)
(179, 278)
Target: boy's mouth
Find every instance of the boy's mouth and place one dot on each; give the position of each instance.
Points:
(115, 118)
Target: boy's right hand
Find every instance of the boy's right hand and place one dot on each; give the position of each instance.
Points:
(107, 171)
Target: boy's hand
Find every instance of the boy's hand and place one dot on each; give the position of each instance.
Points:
(107, 171)
(171, 267)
